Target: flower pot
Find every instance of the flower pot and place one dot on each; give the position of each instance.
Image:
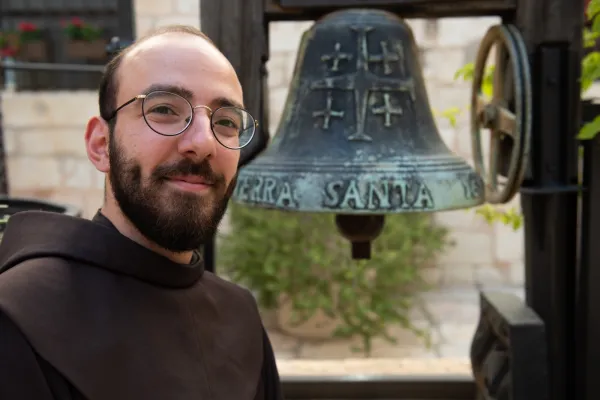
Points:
(90, 50)
(12, 39)
(318, 327)
(33, 51)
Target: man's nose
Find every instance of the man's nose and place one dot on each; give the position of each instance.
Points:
(198, 140)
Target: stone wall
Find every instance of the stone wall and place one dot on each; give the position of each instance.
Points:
(46, 155)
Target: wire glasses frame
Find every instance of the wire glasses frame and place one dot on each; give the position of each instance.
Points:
(169, 114)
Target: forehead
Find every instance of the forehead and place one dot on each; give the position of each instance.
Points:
(180, 60)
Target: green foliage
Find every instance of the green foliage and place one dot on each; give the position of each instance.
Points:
(303, 258)
(487, 83)
(590, 65)
(491, 214)
(590, 129)
(76, 29)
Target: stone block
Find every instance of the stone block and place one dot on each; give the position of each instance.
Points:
(97, 179)
(9, 137)
(516, 271)
(432, 276)
(169, 19)
(278, 67)
(277, 100)
(285, 347)
(446, 309)
(71, 197)
(33, 173)
(77, 173)
(460, 31)
(144, 24)
(153, 7)
(49, 109)
(457, 275)
(465, 219)
(464, 144)
(457, 333)
(469, 248)
(490, 275)
(40, 141)
(286, 36)
(92, 201)
(189, 7)
(441, 63)
(509, 244)
(417, 25)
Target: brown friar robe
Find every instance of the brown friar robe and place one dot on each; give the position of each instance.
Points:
(86, 313)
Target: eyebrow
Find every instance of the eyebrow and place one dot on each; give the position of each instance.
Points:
(180, 90)
(189, 95)
(226, 102)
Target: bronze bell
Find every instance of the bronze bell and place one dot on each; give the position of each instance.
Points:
(357, 136)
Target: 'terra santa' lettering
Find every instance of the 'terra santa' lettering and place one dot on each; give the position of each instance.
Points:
(410, 194)
(270, 191)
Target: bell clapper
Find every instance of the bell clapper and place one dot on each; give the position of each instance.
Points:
(360, 230)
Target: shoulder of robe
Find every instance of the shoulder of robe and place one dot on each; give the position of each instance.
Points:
(229, 292)
(34, 285)
(36, 275)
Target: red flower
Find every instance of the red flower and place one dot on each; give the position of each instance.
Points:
(27, 27)
(76, 21)
(8, 52)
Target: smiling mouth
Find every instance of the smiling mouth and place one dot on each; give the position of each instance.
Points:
(190, 183)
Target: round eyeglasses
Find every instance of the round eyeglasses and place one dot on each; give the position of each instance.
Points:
(170, 114)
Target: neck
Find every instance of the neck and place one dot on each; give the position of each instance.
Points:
(126, 228)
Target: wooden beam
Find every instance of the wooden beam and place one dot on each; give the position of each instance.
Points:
(286, 10)
(239, 30)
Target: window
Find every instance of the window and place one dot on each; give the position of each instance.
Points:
(114, 17)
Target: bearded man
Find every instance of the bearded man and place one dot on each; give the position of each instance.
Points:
(119, 307)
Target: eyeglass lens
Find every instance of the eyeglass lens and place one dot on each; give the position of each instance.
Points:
(170, 114)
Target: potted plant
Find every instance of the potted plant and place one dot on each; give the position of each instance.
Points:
(84, 40)
(301, 271)
(7, 49)
(31, 44)
(9, 39)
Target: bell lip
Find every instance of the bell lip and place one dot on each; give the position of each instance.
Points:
(313, 210)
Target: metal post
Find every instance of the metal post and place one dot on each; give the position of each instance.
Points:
(550, 194)
(3, 173)
(588, 285)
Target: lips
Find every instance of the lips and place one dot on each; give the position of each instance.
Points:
(191, 183)
(191, 179)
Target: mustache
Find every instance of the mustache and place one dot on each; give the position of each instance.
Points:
(187, 167)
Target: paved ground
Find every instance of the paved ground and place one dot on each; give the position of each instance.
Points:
(455, 313)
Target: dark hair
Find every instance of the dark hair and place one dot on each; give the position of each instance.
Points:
(109, 84)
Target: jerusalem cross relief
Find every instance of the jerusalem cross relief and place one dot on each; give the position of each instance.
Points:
(363, 82)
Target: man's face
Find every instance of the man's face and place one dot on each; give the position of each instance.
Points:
(174, 189)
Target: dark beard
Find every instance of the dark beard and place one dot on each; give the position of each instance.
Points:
(175, 221)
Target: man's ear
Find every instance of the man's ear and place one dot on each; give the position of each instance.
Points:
(96, 143)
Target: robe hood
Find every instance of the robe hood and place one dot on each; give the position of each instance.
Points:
(121, 322)
(39, 234)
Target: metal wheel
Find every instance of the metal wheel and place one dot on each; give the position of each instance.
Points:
(507, 115)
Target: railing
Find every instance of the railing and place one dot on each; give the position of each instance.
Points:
(446, 387)
(114, 17)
